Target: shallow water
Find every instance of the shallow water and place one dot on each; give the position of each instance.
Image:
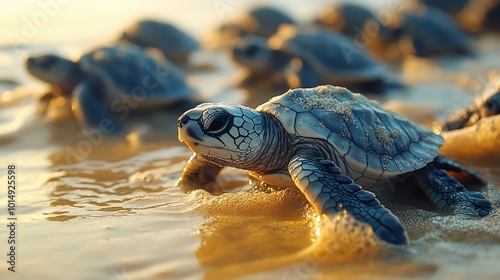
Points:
(94, 209)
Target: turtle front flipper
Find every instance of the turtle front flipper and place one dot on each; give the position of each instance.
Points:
(448, 194)
(199, 174)
(420, 49)
(330, 192)
(91, 110)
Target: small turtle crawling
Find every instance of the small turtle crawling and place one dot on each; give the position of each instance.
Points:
(262, 21)
(433, 32)
(328, 142)
(174, 43)
(359, 23)
(450, 7)
(485, 105)
(309, 57)
(108, 82)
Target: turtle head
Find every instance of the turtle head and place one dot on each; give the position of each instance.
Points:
(491, 105)
(223, 133)
(54, 69)
(253, 53)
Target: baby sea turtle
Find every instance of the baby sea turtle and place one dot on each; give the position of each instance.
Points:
(262, 21)
(485, 105)
(432, 32)
(107, 83)
(452, 8)
(309, 57)
(471, 15)
(359, 23)
(175, 44)
(328, 142)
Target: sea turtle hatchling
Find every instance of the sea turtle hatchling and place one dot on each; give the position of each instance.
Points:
(432, 32)
(108, 82)
(174, 43)
(357, 22)
(308, 57)
(262, 21)
(450, 7)
(485, 105)
(328, 142)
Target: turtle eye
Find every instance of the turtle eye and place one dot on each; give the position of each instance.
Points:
(489, 104)
(251, 50)
(47, 61)
(218, 123)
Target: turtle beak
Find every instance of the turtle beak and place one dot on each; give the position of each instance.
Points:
(181, 127)
(188, 130)
(182, 120)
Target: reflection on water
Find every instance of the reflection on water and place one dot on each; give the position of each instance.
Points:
(95, 187)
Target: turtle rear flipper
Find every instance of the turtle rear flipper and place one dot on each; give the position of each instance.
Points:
(330, 192)
(450, 165)
(448, 194)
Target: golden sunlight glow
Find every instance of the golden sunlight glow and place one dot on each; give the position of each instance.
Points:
(317, 231)
(133, 138)
(7, 96)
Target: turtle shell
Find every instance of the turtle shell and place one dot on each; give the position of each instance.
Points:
(451, 7)
(124, 69)
(332, 56)
(350, 19)
(172, 41)
(363, 134)
(263, 21)
(435, 32)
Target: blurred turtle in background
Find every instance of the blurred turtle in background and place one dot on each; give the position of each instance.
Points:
(485, 105)
(430, 32)
(262, 21)
(307, 58)
(453, 8)
(471, 15)
(107, 84)
(492, 16)
(263, 66)
(368, 29)
(174, 43)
